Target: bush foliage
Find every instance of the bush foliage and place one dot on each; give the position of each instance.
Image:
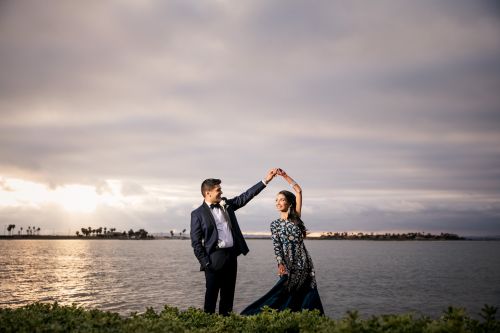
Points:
(43, 317)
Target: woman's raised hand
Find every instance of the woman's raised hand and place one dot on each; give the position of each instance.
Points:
(281, 172)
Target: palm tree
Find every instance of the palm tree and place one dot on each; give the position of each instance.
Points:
(182, 233)
(10, 228)
(172, 233)
(141, 234)
(38, 231)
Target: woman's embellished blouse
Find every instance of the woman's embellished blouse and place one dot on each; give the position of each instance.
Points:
(289, 248)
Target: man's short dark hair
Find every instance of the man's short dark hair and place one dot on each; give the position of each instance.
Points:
(208, 185)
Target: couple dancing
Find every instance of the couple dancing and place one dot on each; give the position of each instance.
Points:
(217, 242)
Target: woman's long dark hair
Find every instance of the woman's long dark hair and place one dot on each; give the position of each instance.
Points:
(292, 211)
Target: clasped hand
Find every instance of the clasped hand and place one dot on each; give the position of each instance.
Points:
(274, 172)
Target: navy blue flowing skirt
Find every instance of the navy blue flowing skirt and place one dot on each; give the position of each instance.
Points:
(279, 298)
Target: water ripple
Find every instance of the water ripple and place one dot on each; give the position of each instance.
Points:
(129, 276)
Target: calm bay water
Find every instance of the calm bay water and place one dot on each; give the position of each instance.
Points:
(374, 277)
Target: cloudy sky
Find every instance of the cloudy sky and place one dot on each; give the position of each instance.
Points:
(387, 113)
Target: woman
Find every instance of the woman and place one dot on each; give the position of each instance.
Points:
(296, 290)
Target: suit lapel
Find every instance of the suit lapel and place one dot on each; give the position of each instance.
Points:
(225, 212)
(208, 215)
(228, 219)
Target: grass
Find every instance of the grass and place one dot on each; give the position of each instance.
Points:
(52, 317)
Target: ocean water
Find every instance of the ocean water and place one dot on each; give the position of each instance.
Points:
(373, 277)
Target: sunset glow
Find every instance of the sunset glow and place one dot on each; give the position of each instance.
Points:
(76, 198)
(73, 198)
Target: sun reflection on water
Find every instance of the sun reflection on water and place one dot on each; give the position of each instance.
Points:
(106, 274)
(126, 276)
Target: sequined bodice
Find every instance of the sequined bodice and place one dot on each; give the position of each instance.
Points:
(290, 251)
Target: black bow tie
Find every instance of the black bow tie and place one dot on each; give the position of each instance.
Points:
(215, 205)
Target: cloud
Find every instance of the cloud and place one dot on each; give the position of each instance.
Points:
(400, 97)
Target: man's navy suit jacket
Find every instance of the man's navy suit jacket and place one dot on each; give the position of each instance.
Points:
(204, 235)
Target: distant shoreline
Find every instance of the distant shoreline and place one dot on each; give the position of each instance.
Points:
(62, 237)
(76, 237)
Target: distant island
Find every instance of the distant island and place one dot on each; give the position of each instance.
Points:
(389, 236)
(33, 232)
(111, 233)
(84, 233)
(372, 236)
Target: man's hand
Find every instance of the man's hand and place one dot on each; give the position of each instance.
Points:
(272, 173)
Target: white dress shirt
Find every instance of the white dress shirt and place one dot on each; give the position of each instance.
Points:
(223, 230)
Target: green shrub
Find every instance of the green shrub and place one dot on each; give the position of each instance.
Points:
(43, 317)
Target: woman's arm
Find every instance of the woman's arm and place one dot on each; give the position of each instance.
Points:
(278, 249)
(296, 187)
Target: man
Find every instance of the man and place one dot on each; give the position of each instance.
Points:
(217, 240)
